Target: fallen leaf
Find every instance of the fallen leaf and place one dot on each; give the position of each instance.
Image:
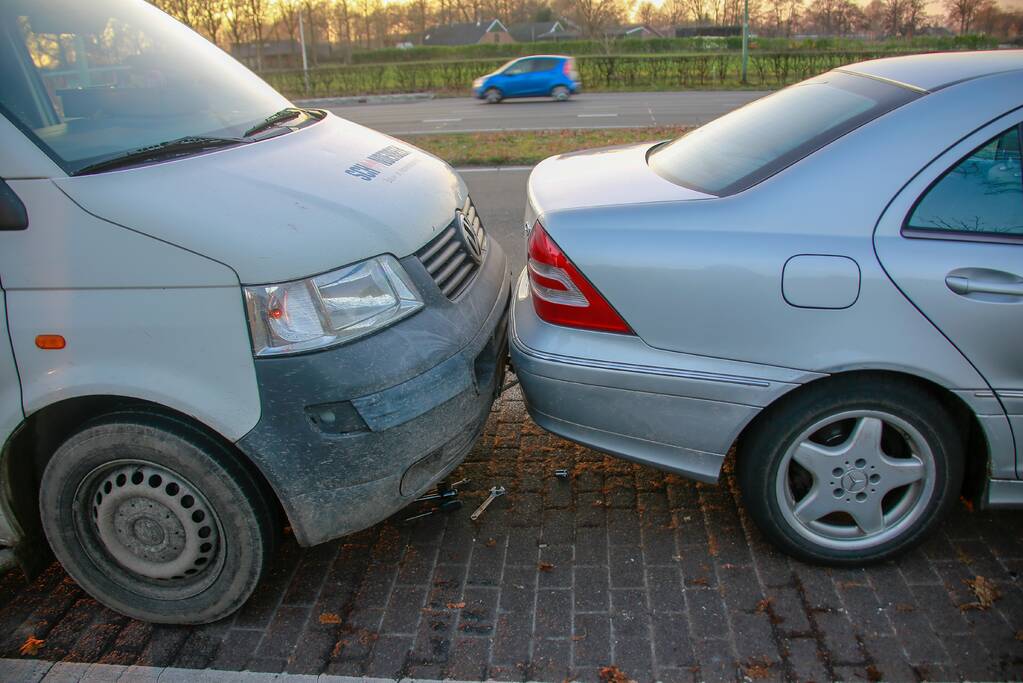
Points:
(30, 648)
(330, 618)
(491, 542)
(1019, 635)
(612, 674)
(985, 590)
(873, 673)
(456, 605)
(764, 605)
(700, 581)
(967, 503)
(546, 567)
(757, 669)
(904, 607)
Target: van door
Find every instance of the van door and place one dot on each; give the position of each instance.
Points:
(953, 243)
(12, 217)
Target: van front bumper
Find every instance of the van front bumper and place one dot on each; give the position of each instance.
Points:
(675, 411)
(352, 434)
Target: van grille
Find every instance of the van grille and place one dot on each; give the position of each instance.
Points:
(454, 256)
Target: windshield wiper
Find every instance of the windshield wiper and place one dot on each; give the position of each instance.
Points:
(272, 120)
(160, 151)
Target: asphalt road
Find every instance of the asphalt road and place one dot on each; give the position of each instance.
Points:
(588, 110)
(500, 198)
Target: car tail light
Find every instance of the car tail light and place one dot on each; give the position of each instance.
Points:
(567, 66)
(561, 294)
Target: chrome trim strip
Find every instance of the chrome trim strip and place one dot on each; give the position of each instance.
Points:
(984, 393)
(1010, 393)
(641, 369)
(890, 81)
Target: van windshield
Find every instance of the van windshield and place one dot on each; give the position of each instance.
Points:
(91, 81)
(740, 149)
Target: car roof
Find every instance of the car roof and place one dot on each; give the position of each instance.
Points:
(937, 70)
(553, 57)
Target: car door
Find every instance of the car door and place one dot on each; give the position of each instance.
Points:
(952, 241)
(515, 79)
(541, 77)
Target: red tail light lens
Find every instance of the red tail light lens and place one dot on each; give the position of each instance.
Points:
(567, 67)
(561, 294)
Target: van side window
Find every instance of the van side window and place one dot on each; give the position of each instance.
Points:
(983, 193)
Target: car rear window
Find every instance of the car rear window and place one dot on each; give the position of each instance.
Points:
(748, 145)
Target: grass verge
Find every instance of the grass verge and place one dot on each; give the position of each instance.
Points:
(528, 147)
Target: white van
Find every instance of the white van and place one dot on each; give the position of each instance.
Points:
(220, 313)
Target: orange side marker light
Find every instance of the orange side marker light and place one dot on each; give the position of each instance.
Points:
(50, 342)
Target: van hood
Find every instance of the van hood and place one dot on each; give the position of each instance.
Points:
(288, 207)
(601, 177)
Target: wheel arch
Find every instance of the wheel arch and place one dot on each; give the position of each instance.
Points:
(33, 443)
(975, 442)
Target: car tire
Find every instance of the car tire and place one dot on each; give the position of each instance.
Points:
(852, 470)
(493, 96)
(560, 93)
(156, 519)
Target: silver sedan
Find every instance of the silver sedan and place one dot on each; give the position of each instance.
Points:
(830, 279)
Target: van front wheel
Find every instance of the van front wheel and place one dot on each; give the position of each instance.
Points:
(155, 519)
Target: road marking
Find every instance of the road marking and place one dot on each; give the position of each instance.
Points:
(431, 131)
(595, 116)
(440, 120)
(651, 112)
(492, 169)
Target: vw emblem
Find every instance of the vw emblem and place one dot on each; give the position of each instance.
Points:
(854, 481)
(470, 238)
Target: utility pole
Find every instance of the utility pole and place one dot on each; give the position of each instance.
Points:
(745, 39)
(305, 59)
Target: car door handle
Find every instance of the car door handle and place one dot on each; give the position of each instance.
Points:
(965, 286)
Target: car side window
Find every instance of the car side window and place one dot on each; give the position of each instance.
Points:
(982, 194)
(525, 66)
(543, 64)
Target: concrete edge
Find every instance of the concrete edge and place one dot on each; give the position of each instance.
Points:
(34, 671)
(365, 99)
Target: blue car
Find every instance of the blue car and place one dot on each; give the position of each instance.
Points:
(534, 76)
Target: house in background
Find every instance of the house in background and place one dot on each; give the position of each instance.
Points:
(557, 29)
(705, 30)
(472, 33)
(634, 31)
(278, 54)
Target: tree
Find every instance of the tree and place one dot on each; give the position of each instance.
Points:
(963, 12)
(597, 17)
(210, 15)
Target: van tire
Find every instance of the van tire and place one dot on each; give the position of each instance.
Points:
(156, 519)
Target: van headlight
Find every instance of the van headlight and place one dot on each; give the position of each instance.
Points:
(329, 309)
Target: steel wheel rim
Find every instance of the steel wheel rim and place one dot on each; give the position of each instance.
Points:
(883, 493)
(154, 528)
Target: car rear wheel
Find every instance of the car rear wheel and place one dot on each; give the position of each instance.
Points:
(493, 96)
(560, 93)
(851, 471)
(155, 519)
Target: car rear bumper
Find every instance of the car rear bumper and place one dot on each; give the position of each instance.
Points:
(350, 435)
(677, 412)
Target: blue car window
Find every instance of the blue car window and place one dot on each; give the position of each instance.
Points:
(544, 64)
(521, 67)
(983, 193)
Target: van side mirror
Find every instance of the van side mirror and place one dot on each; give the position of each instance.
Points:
(13, 215)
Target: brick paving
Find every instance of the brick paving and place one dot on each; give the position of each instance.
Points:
(618, 566)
